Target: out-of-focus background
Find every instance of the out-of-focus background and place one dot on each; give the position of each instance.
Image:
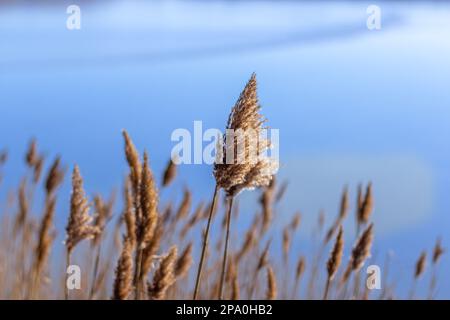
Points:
(352, 105)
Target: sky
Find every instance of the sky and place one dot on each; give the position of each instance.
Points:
(352, 105)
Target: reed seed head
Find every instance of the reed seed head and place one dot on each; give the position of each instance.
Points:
(164, 276)
(134, 163)
(301, 264)
(184, 262)
(79, 225)
(123, 283)
(343, 210)
(185, 205)
(55, 177)
(32, 154)
(361, 251)
(103, 214)
(45, 236)
(128, 216)
(148, 205)
(335, 258)
(420, 265)
(248, 169)
(438, 251)
(169, 173)
(271, 293)
(366, 205)
(3, 157)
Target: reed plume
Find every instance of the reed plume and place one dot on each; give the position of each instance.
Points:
(334, 260)
(146, 222)
(3, 157)
(45, 239)
(295, 222)
(31, 155)
(271, 293)
(438, 251)
(164, 276)
(267, 200)
(365, 206)
(185, 205)
(184, 262)
(22, 214)
(123, 283)
(343, 210)
(249, 240)
(300, 269)
(128, 214)
(134, 163)
(286, 244)
(360, 252)
(55, 177)
(149, 252)
(169, 173)
(241, 164)
(418, 272)
(79, 224)
(420, 265)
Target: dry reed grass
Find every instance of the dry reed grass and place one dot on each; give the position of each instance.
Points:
(147, 235)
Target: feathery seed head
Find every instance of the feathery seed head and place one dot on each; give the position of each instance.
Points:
(164, 276)
(242, 164)
(420, 265)
(361, 251)
(271, 293)
(437, 251)
(336, 255)
(79, 225)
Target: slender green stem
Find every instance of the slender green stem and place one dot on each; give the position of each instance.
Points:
(205, 243)
(225, 251)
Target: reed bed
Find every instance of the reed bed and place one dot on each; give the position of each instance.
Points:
(143, 248)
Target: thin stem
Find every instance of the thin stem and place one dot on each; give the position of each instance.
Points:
(225, 251)
(295, 290)
(253, 285)
(205, 243)
(96, 265)
(356, 284)
(412, 293)
(137, 275)
(327, 288)
(66, 289)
